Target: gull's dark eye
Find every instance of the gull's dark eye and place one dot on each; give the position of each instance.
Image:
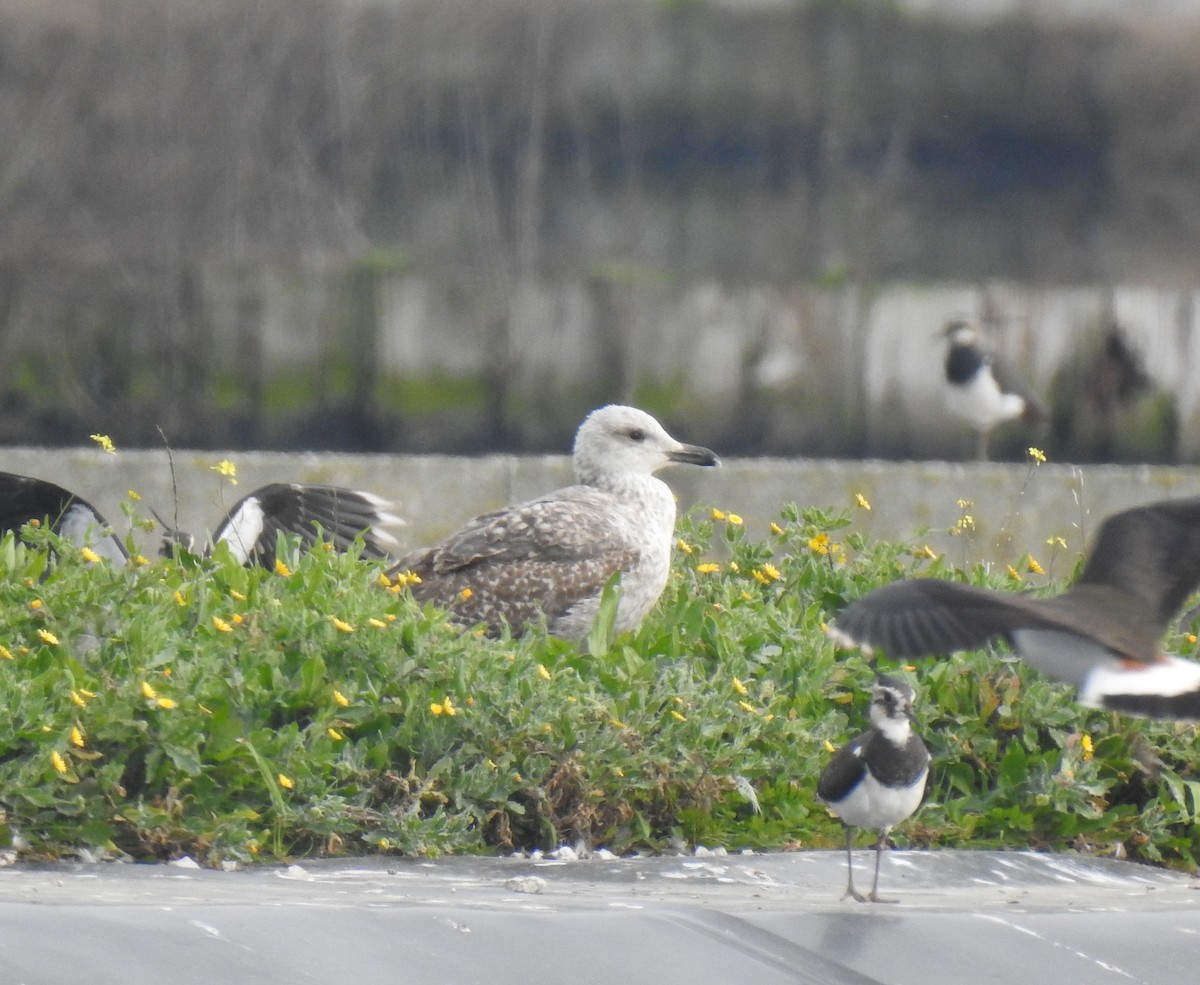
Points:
(636, 434)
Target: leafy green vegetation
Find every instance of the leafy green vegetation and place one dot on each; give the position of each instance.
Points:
(194, 706)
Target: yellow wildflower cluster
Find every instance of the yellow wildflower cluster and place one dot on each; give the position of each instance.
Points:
(400, 582)
(443, 707)
(227, 470)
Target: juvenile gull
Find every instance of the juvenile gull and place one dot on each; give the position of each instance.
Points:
(1102, 635)
(551, 557)
(250, 528)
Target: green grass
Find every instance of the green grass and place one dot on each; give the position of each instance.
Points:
(196, 707)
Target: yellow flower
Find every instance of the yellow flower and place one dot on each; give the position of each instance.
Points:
(282, 569)
(334, 734)
(384, 580)
(139, 560)
(78, 699)
(733, 566)
(105, 443)
(965, 504)
(543, 673)
(235, 594)
(1034, 566)
(465, 594)
(237, 619)
(717, 514)
(1057, 542)
(286, 781)
(148, 692)
(708, 568)
(133, 494)
(377, 623)
(1036, 454)
(167, 703)
(684, 546)
(35, 604)
(221, 625)
(734, 519)
(77, 738)
(1013, 573)
(746, 706)
(48, 637)
(1085, 743)
(4, 653)
(926, 552)
(829, 746)
(771, 572)
(444, 707)
(179, 599)
(57, 761)
(739, 687)
(819, 544)
(617, 723)
(340, 699)
(776, 529)
(89, 555)
(226, 469)
(404, 579)
(677, 716)
(861, 501)
(340, 626)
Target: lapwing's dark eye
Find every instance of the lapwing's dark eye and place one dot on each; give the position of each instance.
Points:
(637, 434)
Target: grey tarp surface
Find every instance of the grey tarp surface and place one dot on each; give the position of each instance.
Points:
(963, 918)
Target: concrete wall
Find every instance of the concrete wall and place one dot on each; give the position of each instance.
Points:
(1016, 507)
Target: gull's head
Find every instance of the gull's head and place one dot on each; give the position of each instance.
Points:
(621, 440)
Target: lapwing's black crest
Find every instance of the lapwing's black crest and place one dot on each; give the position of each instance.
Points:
(1103, 634)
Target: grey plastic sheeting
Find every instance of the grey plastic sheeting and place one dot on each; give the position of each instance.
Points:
(962, 917)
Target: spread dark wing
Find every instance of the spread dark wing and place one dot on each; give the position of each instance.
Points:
(923, 616)
(24, 498)
(844, 771)
(516, 564)
(1151, 552)
(252, 527)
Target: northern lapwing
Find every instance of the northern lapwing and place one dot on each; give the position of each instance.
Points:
(250, 529)
(1103, 634)
(982, 389)
(550, 558)
(877, 780)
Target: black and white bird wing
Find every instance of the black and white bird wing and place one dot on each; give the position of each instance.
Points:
(24, 498)
(845, 770)
(918, 617)
(1010, 380)
(1152, 553)
(517, 564)
(309, 511)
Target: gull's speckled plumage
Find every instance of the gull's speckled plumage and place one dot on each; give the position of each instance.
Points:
(551, 557)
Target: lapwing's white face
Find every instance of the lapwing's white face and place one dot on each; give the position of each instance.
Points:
(964, 334)
(891, 708)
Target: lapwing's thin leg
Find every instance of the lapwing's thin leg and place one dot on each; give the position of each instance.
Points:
(879, 847)
(850, 890)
